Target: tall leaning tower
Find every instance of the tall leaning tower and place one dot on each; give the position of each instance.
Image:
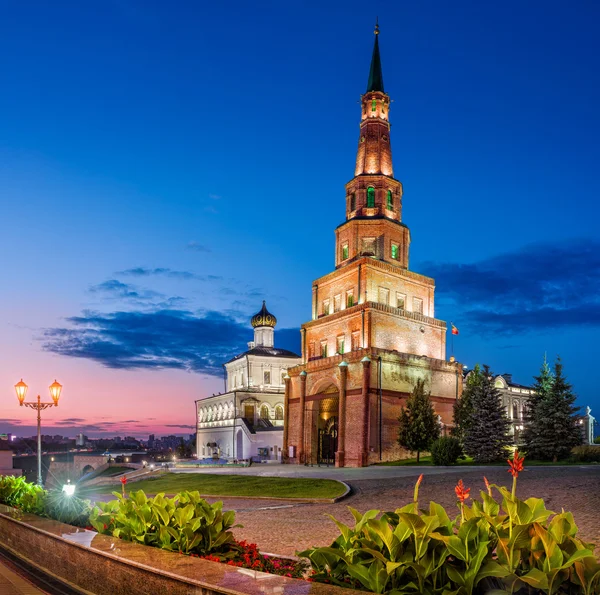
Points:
(373, 331)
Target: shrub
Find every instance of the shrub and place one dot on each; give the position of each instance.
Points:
(510, 547)
(586, 454)
(445, 451)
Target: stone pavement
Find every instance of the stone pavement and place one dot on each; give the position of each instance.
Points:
(12, 583)
(283, 528)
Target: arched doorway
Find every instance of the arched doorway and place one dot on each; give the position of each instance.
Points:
(328, 430)
(87, 469)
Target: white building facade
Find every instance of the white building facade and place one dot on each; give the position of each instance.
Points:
(246, 422)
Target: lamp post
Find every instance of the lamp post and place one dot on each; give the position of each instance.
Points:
(21, 389)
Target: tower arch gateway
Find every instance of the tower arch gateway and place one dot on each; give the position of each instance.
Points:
(373, 330)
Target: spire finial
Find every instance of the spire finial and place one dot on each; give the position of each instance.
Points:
(375, 82)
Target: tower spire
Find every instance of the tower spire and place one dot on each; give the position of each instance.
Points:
(375, 75)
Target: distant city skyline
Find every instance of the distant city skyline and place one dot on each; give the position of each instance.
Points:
(163, 171)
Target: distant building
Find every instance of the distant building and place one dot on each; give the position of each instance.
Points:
(247, 421)
(514, 398)
(6, 460)
(81, 440)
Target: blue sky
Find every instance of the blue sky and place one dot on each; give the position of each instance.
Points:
(164, 168)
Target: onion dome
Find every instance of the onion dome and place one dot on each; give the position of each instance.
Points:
(263, 318)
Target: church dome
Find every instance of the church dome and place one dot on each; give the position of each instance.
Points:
(263, 318)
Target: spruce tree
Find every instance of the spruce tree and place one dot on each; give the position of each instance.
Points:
(487, 434)
(531, 415)
(557, 422)
(419, 426)
(463, 406)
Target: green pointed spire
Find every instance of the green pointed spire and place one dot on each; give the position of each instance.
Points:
(375, 75)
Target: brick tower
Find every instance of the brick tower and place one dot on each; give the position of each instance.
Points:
(373, 332)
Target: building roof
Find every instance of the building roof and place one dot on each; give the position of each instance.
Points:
(375, 75)
(265, 352)
(263, 318)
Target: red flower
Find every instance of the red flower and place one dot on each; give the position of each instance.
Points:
(487, 483)
(105, 526)
(516, 465)
(123, 480)
(462, 493)
(419, 480)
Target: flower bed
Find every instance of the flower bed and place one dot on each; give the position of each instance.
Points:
(511, 546)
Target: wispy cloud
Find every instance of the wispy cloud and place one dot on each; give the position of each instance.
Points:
(197, 247)
(167, 272)
(176, 339)
(538, 287)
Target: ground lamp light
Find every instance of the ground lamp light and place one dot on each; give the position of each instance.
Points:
(21, 390)
(68, 488)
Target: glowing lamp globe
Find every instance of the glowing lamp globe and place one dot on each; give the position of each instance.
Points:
(55, 389)
(21, 389)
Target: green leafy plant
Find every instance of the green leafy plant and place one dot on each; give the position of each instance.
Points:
(67, 509)
(445, 451)
(512, 546)
(186, 523)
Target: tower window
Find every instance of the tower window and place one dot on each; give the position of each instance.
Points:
(384, 296)
(355, 340)
(353, 201)
(395, 251)
(370, 197)
(349, 299)
(340, 344)
(418, 305)
(267, 377)
(374, 105)
(345, 251)
(400, 301)
(390, 200)
(325, 307)
(323, 348)
(337, 303)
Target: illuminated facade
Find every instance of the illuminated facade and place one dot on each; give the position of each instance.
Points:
(373, 331)
(246, 422)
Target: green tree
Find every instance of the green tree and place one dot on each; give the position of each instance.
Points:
(463, 406)
(557, 420)
(419, 425)
(530, 438)
(487, 434)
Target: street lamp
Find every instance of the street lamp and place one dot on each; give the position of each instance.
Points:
(21, 389)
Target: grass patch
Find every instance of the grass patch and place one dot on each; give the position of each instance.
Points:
(468, 461)
(113, 471)
(230, 485)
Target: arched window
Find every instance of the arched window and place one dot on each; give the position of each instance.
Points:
(353, 201)
(370, 197)
(373, 105)
(390, 200)
(279, 412)
(264, 412)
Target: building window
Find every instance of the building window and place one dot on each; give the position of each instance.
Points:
(264, 412)
(344, 250)
(516, 414)
(337, 303)
(395, 251)
(312, 353)
(355, 340)
(266, 377)
(373, 105)
(353, 201)
(400, 301)
(370, 197)
(384, 296)
(283, 377)
(349, 299)
(323, 348)
(325, 307)
(279, 413)
(340, 344)
(418, 305)
(368, 246)
(390, 200)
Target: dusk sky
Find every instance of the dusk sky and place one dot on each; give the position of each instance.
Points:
(164, 167)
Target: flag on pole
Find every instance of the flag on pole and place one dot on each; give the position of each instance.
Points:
(454, 329)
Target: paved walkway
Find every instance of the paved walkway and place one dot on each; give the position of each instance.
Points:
(286, 528)
(12, 583)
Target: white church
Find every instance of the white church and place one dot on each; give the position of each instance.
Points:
(246, 422)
